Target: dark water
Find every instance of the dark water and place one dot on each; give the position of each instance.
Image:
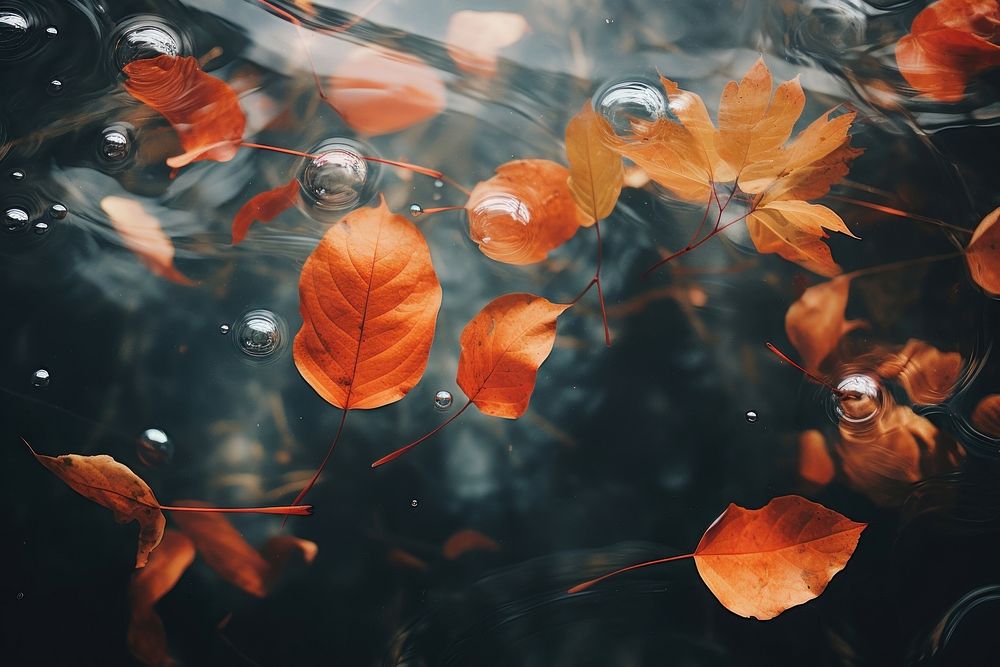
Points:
(626, 454)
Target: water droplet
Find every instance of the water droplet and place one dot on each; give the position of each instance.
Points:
(145, 37)
(438, 183)
(338, 178)
(154, 448)
(224, 329)
(12, 21)
(41, 228)
(622, 101)
(55, 86)
(751, 416)
(416, 210)
(609, 20)
(51, 32)
(862, 399)
(17, 175)
(259, 334)
(115, 143)
(40, 378)
(443, 400)
(413, 503)
(16, 219)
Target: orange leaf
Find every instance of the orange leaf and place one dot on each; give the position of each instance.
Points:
(475, 38)
(815, 464)
(147, 639)
(225, 550)
(264, 207)
(927, 374)
(142, 234)
(465, 541)
(596, 174)
(369, 299)
(983, 253)
(523, 212)
(759, 563)
(378, 91)
(112, 485)
(402, 558)
(815, 322)
(502, 348)
(672, 156)
(986, 416)
(772, 231)
(203, 110)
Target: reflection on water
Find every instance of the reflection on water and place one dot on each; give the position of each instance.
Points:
(646, 440)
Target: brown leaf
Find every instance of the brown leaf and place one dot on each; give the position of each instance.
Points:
(986, 416)
(596, 174)
(147, 639)
(286, 551)
(264, 207)
(203, 110)
(983, 253)
(465, 541)
(475, 38)
(378, 91)
(142, 234)
(815, 322)
(112, 485)
(815, 464)
(523, 212)
(927, 374)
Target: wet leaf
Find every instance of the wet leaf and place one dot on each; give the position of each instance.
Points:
(264, 207)
(986, 416)
(203, 110)
(759, 563)
(815, 464)
(465, 541)
(143, 235)
(502, 348)
(523, 212)
(927, 374)
(983, 253)
(378, 91)
(596, 173)
(475, 38)
(147, 639)
(950, 41)
(815, 323)
(112, 485)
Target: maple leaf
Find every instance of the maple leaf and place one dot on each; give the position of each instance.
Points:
(691, 157)
(203, 110)
(950, 41)
(475, 38)
(759, 563)
(143, 235)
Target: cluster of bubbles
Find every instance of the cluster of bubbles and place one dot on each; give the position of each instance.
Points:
(339, 178)
(154, 448)
(21, 213)
(621, 101)
(259, 335)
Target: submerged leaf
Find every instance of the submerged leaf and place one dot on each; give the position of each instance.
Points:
(203, 110)
(815, 464)
(264, 207)
(815, 322)
(142, 234)
(465, 541)
(983, 253)
(596, 173)
(475, 38)
(147, 639)
(927, 374)
(986, 416)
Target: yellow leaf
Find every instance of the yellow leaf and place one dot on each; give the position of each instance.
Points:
(596, 173)
(772, 231)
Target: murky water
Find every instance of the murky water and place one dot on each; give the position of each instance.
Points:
(626, 453)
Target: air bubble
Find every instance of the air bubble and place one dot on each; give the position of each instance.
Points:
(259, 334)
(116, 143)
(18, 41)
(223, 329)
(41, 228)
(58, 211)
(622, 101)
(861, 398)
(13, 22)
(51, 32)
(55, 86)
(416, 210)
(144, 37)
(609, 20)
(154, 448)
(17, 175)
(413, 503)
(16, 219)
(443, 400)
(751, 416)
(40, 379)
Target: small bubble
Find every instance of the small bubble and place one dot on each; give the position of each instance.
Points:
(20, 596)
(413, 503)
(51, 32)
(115, 143)
(622, 101)
(142, 38)
(17, 175)
(224, 329)
(16, 219)
(55, 86)
(609, 20)
(259, 334)
(416, 210)
(154, 448)
(40, 378)
(751, 416)
(41, 228)
(443, 400)
(438, 183)
(58, 211)
(338, 178)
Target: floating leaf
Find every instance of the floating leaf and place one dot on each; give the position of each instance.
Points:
(264, 207)
(147, 639)
(986, 416)
(465, 541)
(759, 563)
(815, 464)
(369, 299)
(983, 253)
(143, 235)
(203, 110)
(815, 322)
(950, 41)
(523, 212)
(112, 485)
(596, 174)
(475, 38)
(927, 374)
(378, 91)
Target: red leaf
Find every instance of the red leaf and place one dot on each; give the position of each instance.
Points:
(264, 207)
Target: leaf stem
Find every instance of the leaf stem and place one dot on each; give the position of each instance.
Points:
(691, 246)
(297, 510)
(901, 214)
(319, 470)
(902, 264)
(839, 393)
(402, 450)
(587, 584)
